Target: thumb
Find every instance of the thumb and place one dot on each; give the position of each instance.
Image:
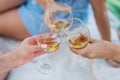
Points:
(46, 19)
(92, 40)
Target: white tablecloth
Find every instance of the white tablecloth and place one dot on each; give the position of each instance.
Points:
(67, 66)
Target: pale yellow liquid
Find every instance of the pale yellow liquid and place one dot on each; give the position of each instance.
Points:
(78, 41)
(51, 45)
(60, 25)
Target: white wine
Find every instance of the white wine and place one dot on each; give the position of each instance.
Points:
(78, 41)
(52, 45)
(59, 25)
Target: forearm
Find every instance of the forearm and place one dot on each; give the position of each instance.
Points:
(6, 63)
(103, 25)
(101, 16)
(45, 3)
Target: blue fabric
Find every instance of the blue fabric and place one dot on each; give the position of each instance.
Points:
(31, 13)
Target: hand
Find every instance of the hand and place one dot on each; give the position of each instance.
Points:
(47, 16)
(99, 49)
(26, 51)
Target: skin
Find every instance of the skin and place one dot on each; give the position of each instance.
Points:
(100, 49)
(25, 52)
(9, 4)
(101, 16)
(3, 75)
(9, 14)
(100, 12)
(13, 19)
(101, 20)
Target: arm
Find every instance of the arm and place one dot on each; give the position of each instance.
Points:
(6, 63)
(100, 49)
(100, 12)
(46, 4)
(22, 54)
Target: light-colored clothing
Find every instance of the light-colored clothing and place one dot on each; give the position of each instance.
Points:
(31, 13)
(114, 7)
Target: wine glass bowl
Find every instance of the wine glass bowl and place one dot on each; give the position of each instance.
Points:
(60, 19)
(78, 37)
(78, 41)
(52, 40)
(78, 34)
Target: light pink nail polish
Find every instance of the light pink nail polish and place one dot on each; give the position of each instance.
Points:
(44, 46)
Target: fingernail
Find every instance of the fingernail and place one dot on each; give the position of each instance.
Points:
(44, 46)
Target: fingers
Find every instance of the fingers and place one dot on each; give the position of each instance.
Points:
(44, 37)
(92, 40)
(33, 40)
(63, 9)
(85, 52)
(90, 55)
(113, 63)
(47, 19)
(47, 35)
(79, 51)
(37, 48)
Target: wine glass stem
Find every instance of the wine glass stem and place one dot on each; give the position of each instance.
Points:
(46, 64)
(91, 70)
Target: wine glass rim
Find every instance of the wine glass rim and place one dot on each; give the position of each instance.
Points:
(84, 25)
(70, 13)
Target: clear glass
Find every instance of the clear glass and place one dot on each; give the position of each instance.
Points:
(78, 37)
(78, 34)
(53, 41)
(60, 20)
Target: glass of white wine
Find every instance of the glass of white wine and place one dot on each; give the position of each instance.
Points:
(78, 34)
(59, 19)
(78, 37)
(52, 40)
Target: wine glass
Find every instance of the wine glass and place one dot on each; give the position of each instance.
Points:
(78, 37)
(59, 19)
(52, 40)
(78, 34)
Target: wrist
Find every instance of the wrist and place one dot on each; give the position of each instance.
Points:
(106, 37)
(6, 63)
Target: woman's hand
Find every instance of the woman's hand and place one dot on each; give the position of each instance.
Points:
(100, 49)
(47, 4)
(26, 51)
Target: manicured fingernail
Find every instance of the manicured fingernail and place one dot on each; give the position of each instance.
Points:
(43, 46)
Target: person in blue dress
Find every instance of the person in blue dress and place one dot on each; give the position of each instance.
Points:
(20, 21)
